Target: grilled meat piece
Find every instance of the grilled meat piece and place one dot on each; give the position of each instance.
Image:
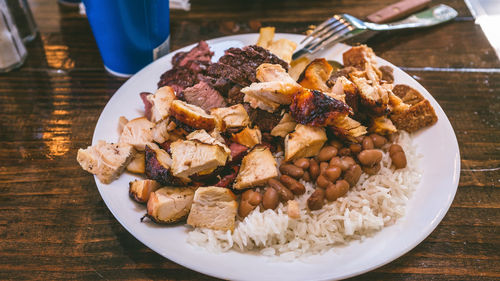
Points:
(306, 141)
(266, 121)
(257, 168)
(213, 207)
(140, 190)
(317, 109)
(199, 55)
(358, 57)
(147, 104)
(137, 132)
(170, 204)
(158, 164)
(204, 96)
(231, 117)
(178, 79)
(238, 151)
(192, 115)
(160, 103)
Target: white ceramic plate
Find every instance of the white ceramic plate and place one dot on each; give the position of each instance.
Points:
(426, 208)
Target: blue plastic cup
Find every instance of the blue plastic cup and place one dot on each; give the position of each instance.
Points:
(129, 33)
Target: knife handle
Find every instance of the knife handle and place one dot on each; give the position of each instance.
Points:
(397, 10)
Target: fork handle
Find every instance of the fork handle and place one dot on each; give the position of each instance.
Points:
(397, 10)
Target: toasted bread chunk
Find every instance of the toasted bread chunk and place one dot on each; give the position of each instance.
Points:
(257, 167)
(407, 94)
(161, 101)
(192, 115)
(105, 160)
(137, 132)
(358, 56)
(382, 126)
(306, 141)
(418, 116)
(138, 164)
(248, 137)
(139, 190)
(170, 204)
(214, 208)
(286, 125)
(191, 157)
(231, 117)
(203, 137)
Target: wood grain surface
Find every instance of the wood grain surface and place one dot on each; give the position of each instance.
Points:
(55, 226)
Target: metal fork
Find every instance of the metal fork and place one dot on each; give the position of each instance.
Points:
(343, 26)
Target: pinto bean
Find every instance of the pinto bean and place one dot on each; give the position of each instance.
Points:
(291, 170)
(270, 199)
(332, 173)
(370, 157)
(245, 208)
(355, 148)
(398, 156)
(322, 181)
(253, 197)
(368, 143)
(373, 170)
(326, 153)
(284, 193)
(306, 176)
(335, 143)
(302, 163)
(315, 201)
(378, 140)
(313, 169)
(353, 174)
(343, 162)
(344, 151)
(339, 189)
(294, 185)
(322, 167)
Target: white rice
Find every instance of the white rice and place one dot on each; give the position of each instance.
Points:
(376, 201)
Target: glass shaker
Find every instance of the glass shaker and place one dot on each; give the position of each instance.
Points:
(23, 19)
(12, 50)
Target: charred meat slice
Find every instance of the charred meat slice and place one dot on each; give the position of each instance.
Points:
(317, 109)
(266, 121)
(158, 164)
(200, 55)
(204, 96)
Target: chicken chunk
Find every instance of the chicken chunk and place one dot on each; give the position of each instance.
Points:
(106, 160)
(203, 137)
(214, 208)
(316, 74)
(349, 129)
(283, 49)
(137, 132)
(259, 102)
(285, 126)
(382, 126)
(138, 164)
(257, 167)
(373, 96)
(140, 190)
(192, 115)
(191, 157)
(248, 137)
(306, 141)
(161, 101)
(317, 109)
(158, 166)
(170, 204)
(231, 117)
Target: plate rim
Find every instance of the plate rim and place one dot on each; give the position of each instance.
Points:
(184, 263)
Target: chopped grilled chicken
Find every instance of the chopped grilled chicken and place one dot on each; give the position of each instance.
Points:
(203, 137)
(349, 129)
(276, 85)
(192, 157)
(192, 115)
(257, 167)
(306, 141)
(297, 67)
(261, 103)
(158, 166)
(231, 117)
(311, 107)
(161, 101)
(373, 96)
(397, 105)
(315, 75)
(138, 164)
(139, 190)
(418, 116)
(339, 89)
(122, 121)
(358, 56)
(105, 160)
(285, 126)
(293, 209)
(382, 125)
(170, 204)
(283, 48)
(248, 137)
(214, 208)
(160, 131)
(137, 132)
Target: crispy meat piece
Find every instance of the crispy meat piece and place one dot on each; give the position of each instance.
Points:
(158, 164)
(317, 109)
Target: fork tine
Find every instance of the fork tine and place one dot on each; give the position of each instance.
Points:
(320, 27)
(332, 33)
(325, 30)
(335, 38)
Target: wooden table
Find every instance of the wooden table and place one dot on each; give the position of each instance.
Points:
(54, 224)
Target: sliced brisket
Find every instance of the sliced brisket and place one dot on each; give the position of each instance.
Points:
(204, 96)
